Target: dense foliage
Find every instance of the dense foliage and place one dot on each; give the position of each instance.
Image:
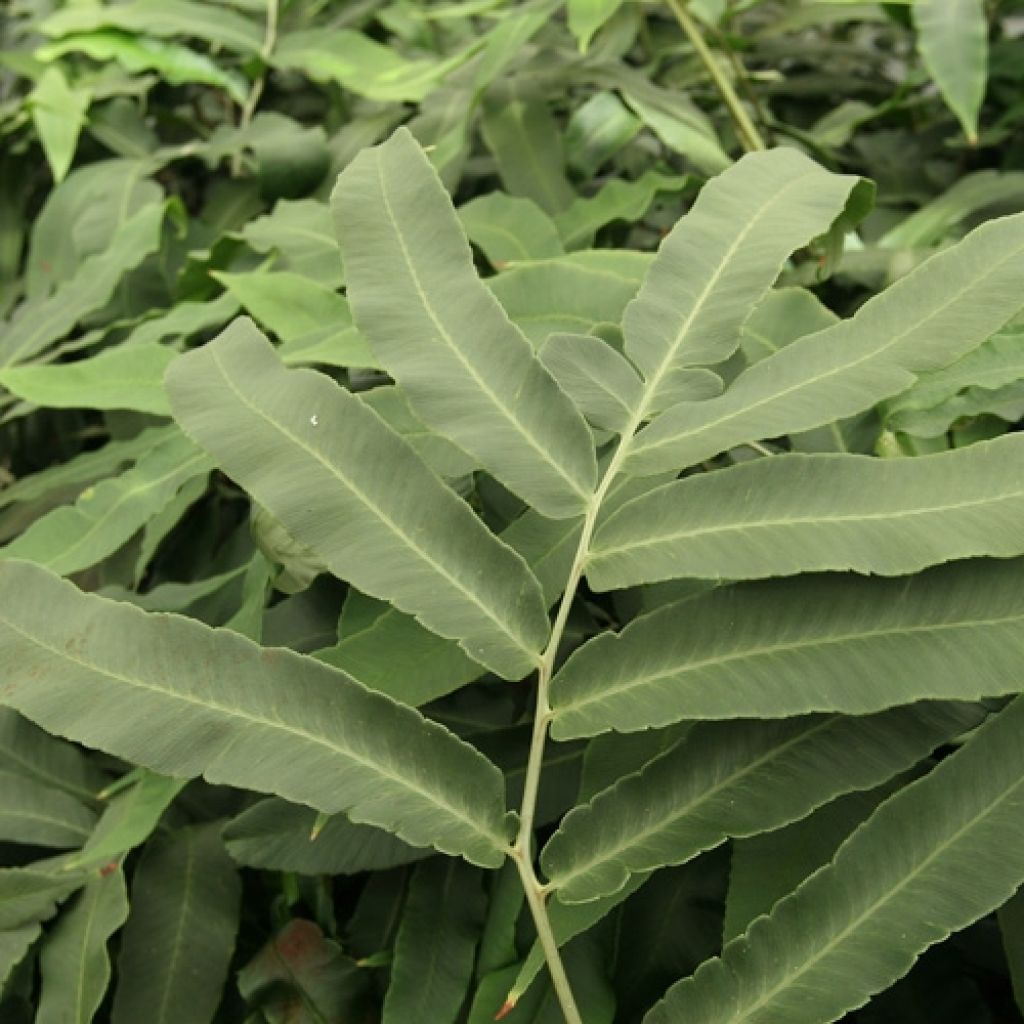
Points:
(511, 510)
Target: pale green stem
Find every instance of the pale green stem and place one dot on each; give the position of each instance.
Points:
(749, 135)
(256, 90)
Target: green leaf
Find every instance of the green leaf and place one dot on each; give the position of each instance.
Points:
(80, 218)
(952, 37)
(993, 365)
(602, 383)
(74, 537)
(301, 235)
(948, 305)
(527, 144)
(509, 228)
(73, 962)
(587, 16)
(310, 452)
(122, 377)
(58, 111)
(174, 63)
(210, 702)
(51, 762)
(786, 514)
(30, 894)
(767, 867)
(792, 647)
(728, 249)
(597, 130)
(278, 836)
(34, 813)
(972, 194)
(181, 931)
(130, 818)
(615, 200)
(438, 452)
(436, 945)
(1011, 926)
(726, 780)
(782, 316)
(362, 65)
(85, 467)
(301, 977)
(934, 858)
(569, 294)
(683, 128)
(215, 24)
(418, 301)
(14, 945)
(397, 656)
(312, 319)
(39, 323)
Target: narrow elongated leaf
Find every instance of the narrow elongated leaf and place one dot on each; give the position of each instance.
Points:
(1011, 926)
(125, 377)
(312, 453)
(431, 321)
(73, 962)
(58, 111)
(723, 256)
(436, 946)
(85, 467)
(184, 699)
(74, 537)
(14, 944)
(948, 305)
(587, 16)
(30, 894)
(570, 294)
(786, 648)
(509, 228)
(27, 750)
(180, 932)
(34, 813)
(768, 867)
(38, 323)
(129, 820)
(934, 858)
(175, 63)
(782, 316)
(616, 200)
(219, 25)
(966, 197)
(301, 235)
(527, 145)
(397, 656)
(602, 383)
(729, 780)
(952, 36)
(278, 836)
(810, 513)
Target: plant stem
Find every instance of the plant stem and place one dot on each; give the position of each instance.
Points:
(256, 90)
(548, 942)
(748, 133)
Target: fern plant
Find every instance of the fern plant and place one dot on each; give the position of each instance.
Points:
(793, 635)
